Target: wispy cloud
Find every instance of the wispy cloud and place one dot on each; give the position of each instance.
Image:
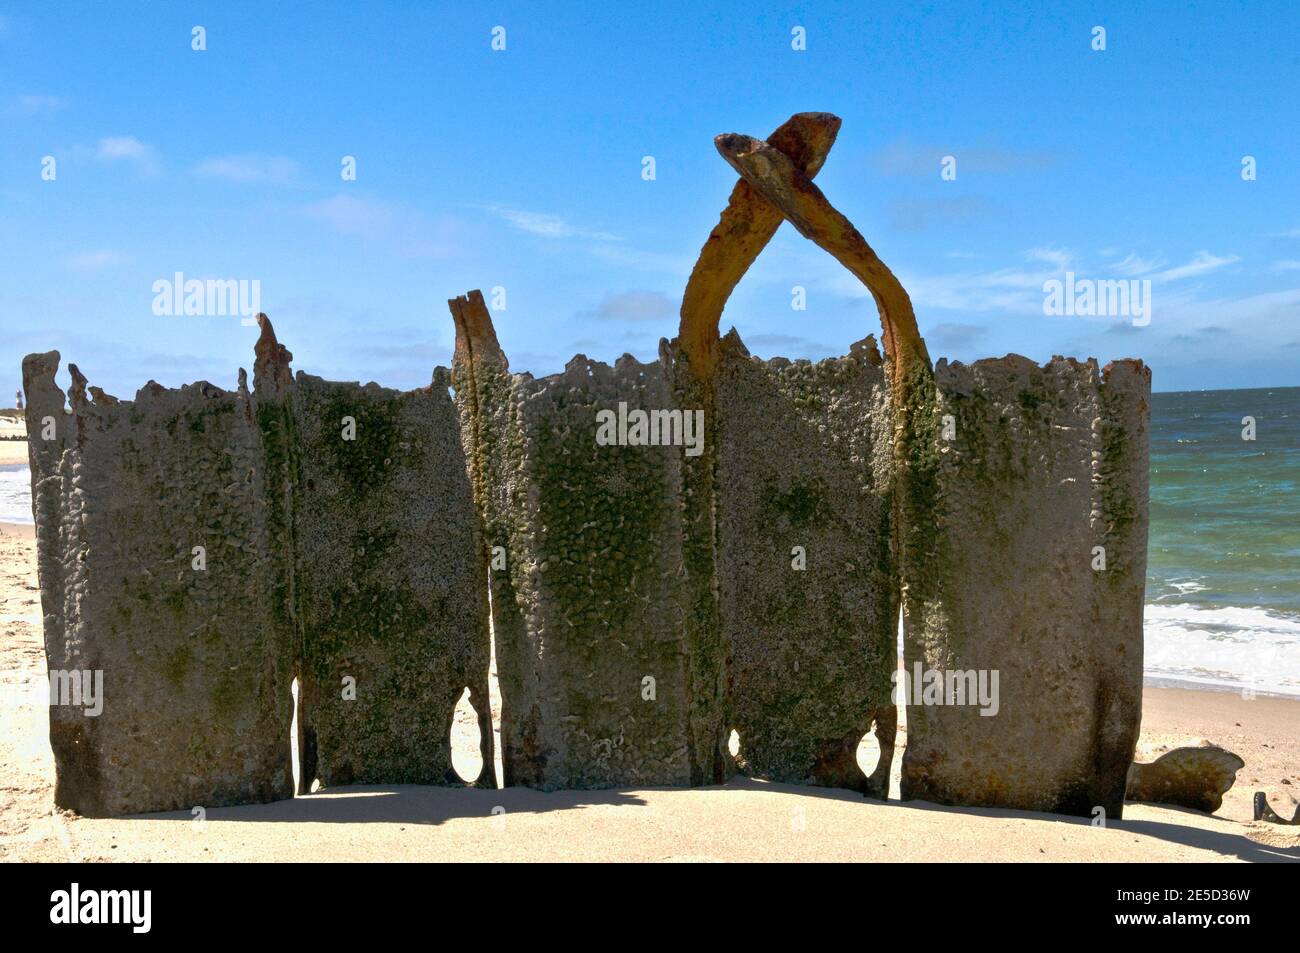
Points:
(35, 105)
(1052, 256)
(622, 257)
(275, 170)
(1132, 265)
(94, 260)
(633, 306)
(354, 215)
(902, 157)
(1202, 263)
(1009, 290)
(1013, 289)
(128, 149)
(1286, 264)
(123, 147)
(545, 224)
(408, 232)
(955, 336)
(915, 215)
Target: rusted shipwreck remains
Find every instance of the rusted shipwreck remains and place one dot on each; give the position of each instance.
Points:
(203, 548)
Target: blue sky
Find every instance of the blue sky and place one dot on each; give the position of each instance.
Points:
(522, 169)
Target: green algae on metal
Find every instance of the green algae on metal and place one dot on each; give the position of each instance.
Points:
(388, 583)
(584, 542)
(806, 467)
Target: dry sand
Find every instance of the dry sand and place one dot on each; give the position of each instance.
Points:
(13, 451)
(742, 820)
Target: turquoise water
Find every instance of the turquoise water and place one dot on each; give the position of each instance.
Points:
(1223, 568)
(1223, 582)
(1225, 515)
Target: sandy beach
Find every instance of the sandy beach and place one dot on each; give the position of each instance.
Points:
(12, 450)
(742, 820)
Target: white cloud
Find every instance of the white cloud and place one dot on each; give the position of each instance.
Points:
(956, 335)
(1052, 256)
(1202, 262)
(635, 306)
(407, 232)
(916, 214)
(1132, 265)
(545, 224)
(1286, 264)
(122, 147)
(1009, 290)
(1257, 319)
(639, 260)
(793, 346)
(35, 105)
(128, 149)
(94, 260)
(277, 170)
(903, 157)
(352, 215)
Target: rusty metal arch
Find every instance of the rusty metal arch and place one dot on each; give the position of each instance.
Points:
(967, 584)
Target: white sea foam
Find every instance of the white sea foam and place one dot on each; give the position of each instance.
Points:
(15, 493)
(1227, 647)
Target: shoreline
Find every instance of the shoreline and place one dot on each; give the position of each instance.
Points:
(1209, 688)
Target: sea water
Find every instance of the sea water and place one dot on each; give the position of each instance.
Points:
(1223, 566)
(15, 493)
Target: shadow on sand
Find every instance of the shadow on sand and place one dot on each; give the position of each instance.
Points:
(418, 804)
(404, 804)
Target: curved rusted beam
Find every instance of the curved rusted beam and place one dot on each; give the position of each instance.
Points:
(785, 188)
(746, 226)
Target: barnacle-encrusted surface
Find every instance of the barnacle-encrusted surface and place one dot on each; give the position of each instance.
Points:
(805, 461)
(390, 583)
(708, 702)
(196, 662)
(589, 608)
(1045, 464)
(643, 597)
